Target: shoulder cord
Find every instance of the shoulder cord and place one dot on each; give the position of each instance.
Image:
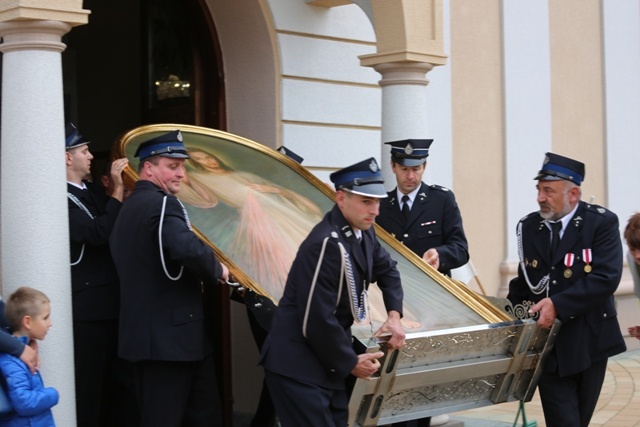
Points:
(543, 284)
(78, 203)
(164, 265)
(313, 287)
(358, 308)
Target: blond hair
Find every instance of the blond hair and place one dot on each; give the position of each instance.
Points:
(23, 302)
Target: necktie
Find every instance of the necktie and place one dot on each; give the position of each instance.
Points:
(405, 206)
(555, 237)
(359, 242)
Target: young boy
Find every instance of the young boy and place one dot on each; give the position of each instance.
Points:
(28, 314)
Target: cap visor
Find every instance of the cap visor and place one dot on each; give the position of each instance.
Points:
(78, 145)
(545, 177)
(175, 155)
(369, 190)
(410, 162)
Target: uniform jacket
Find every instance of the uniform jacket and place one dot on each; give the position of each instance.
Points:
(31, 400)
(583, 297)
(320, 351)
(434, 222)
(160, 318)
(94, 281)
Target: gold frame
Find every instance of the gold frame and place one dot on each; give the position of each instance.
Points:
(477, 303)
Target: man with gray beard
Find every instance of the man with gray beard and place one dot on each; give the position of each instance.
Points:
(570, 266)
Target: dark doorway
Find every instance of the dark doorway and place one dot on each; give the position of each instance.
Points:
(137, 63)
(183, 81)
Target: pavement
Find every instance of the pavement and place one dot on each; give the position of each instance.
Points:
(618, 405)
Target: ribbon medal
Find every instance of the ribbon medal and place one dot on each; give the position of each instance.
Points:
(586, 256)
(568, 262)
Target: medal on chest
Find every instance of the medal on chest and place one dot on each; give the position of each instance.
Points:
(569, 258)
(586, 256)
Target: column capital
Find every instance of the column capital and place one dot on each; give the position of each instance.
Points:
(67, 11)
(403, 73)
(33, 35)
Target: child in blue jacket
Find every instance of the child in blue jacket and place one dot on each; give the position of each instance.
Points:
(28, 313)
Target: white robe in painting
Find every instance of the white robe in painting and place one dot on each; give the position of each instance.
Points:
(272, 222)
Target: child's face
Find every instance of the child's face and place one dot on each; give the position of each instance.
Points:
(41, 323)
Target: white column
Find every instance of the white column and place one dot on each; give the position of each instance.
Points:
(621, 47)
(440, 116)
(404, 107)
(33, 203)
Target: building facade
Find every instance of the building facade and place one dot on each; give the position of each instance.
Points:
(496, 83)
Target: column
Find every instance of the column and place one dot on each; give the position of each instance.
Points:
(621, 48)
(34, 242)
(404, 107)
(409, 43)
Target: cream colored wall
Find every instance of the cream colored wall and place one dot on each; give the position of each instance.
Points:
(476, 70)
(250, 61)
(577, 89)
(329, 104)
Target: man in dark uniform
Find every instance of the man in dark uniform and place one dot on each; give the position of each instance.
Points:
(95, 288)
(570, 266)
(425, 218)
(308, 353)
(163, 267)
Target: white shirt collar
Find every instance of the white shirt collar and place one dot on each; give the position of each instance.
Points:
(412, 195)
(82, 187)
(564, 220)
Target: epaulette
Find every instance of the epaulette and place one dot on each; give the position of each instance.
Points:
(346, 230)
(524, 218)
(439, 187)
(597, 208)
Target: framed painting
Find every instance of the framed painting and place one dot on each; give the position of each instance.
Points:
(254, 206)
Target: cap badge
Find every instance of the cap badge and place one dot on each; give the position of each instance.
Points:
(408, 149)
(373, 166)
(179, 137)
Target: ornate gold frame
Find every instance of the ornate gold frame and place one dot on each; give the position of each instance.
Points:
(409, 263)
